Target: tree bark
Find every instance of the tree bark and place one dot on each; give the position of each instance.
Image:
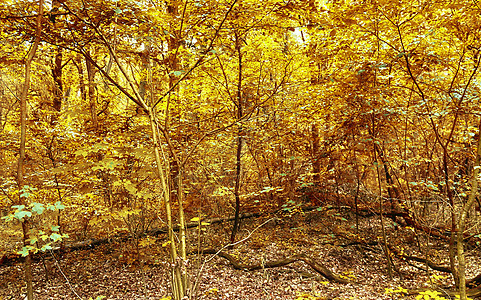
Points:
(91, 92)
(240, 114)
(316, 163)
(315, 265)
(57, 73)
(23, 134)
(462, 221)
(57, 78)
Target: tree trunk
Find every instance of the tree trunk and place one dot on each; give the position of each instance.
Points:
(314, 80)
(57, 74)
(173, 173)
(57, 78)
(21, 157)
(91, 92)
(462, 221)
(240, 114)
(177, 280)
(316, 163)
(78, 64)
(452, 240)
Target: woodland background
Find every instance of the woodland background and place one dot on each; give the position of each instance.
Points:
(130, 121)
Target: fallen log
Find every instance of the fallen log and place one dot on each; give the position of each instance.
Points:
(316, 266)
(429, 263)
(10, 258)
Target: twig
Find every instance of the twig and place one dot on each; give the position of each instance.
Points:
(63, 274)
(224, 247)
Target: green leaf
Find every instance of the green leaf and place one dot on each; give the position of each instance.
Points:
(177, 73)
(26, 191)
(55, 228)
(24, 252)
(25, 194)
(59, 205)
(8, 218)
(46, 247)
(55, 237)
(33, 240)
(22, 214)
(38, 208)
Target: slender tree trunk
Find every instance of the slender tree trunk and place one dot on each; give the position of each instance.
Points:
(381, 210)
(57, 78)
(391, 190)
(462, 221)
(23, 134)
(182, 233)
(178, 287)
(356, 197)
(57, 74)
(78, 64)
(452, 240)
(91, 93)
(144, 75)
(383, 229)
(180, 275)
(314, 80)
(240, 114)
(316, 163)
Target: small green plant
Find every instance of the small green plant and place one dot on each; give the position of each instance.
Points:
(21, 213)
(291, 206)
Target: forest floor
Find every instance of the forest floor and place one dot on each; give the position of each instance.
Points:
(131, 270)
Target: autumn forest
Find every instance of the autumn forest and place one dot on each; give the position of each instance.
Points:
(240, 149)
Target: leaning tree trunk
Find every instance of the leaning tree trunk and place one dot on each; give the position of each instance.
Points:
(462, 221)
